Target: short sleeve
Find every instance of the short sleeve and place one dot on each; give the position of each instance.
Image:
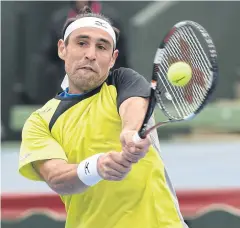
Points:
(129, 83)
(37, 144)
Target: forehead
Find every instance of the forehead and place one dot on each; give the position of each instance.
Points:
(92, 33)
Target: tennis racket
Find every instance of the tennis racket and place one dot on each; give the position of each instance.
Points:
(187, 42)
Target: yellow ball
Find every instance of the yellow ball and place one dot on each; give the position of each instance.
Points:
(179, 74)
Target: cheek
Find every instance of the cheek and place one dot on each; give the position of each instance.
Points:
(72, 60)
(105, 62)
(74, 55)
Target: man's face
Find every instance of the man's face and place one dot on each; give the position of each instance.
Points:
(88, 58)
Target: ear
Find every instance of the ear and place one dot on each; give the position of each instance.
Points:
(114, 58)
(61, 49)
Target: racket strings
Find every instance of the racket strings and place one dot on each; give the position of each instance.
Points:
(184, 45)
(203, 64)
(172, 92)
(197, 58)
(164, 86)
(199, 70)
(179, 89)
(196, 43)
(177, 92)
(194, 89)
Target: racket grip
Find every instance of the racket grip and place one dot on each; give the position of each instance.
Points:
(136, 138)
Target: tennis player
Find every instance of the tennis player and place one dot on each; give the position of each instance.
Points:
(80, 142)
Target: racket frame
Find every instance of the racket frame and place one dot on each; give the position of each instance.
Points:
(159, 53)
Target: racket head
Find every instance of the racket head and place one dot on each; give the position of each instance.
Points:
(187, 42)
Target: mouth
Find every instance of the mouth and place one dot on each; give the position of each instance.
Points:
(89, 68)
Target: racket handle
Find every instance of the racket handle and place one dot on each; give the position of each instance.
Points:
(136, 138)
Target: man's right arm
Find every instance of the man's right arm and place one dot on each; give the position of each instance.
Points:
(43, 158)
(65, 178)
(60, 176)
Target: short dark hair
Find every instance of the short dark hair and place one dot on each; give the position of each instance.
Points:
(87, 12)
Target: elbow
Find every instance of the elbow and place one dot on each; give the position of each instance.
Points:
(64, 187)
(59, 188)
(56, 184)
(56, 188)
(63, 179)
(59, 191)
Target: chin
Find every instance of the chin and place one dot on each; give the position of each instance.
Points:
(88, 81)
(86, 85)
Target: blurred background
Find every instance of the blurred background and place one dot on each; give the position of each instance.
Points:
(202, 156)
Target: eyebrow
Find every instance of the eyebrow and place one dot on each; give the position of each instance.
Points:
(100, 39)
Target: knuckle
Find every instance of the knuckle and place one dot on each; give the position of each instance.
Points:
(119, 177)
(127, 163)
(130, 159)
(124, 171)
(110, 178)
(110, 154)
(107, 176)
(125, 154)
(107, 161)
(134, 161)
(129, 144)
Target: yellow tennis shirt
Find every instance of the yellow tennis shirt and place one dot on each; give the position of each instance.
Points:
(74, 128)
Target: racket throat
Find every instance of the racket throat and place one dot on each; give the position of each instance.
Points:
(154, 127)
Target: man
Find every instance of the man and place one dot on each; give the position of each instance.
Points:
(47, 69)
(80, 142)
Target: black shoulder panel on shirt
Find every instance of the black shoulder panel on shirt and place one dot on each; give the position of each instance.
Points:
(68, 102)
(128, 83)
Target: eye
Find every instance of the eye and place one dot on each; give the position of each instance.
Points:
(81, 43)
(101, 47)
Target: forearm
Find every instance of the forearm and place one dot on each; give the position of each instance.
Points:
(60, 176)
(68, 179)
(132, 112)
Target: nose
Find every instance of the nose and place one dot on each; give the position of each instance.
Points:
(90, 53)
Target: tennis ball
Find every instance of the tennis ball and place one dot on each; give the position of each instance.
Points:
(179, 74)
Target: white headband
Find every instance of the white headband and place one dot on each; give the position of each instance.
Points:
(91, 22)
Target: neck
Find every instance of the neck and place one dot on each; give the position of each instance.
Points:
(74, 90)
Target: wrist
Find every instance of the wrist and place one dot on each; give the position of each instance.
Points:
(129, 129)
(87, 170)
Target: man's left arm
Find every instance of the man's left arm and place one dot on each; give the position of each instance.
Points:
(132, 112)
(133, 94)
